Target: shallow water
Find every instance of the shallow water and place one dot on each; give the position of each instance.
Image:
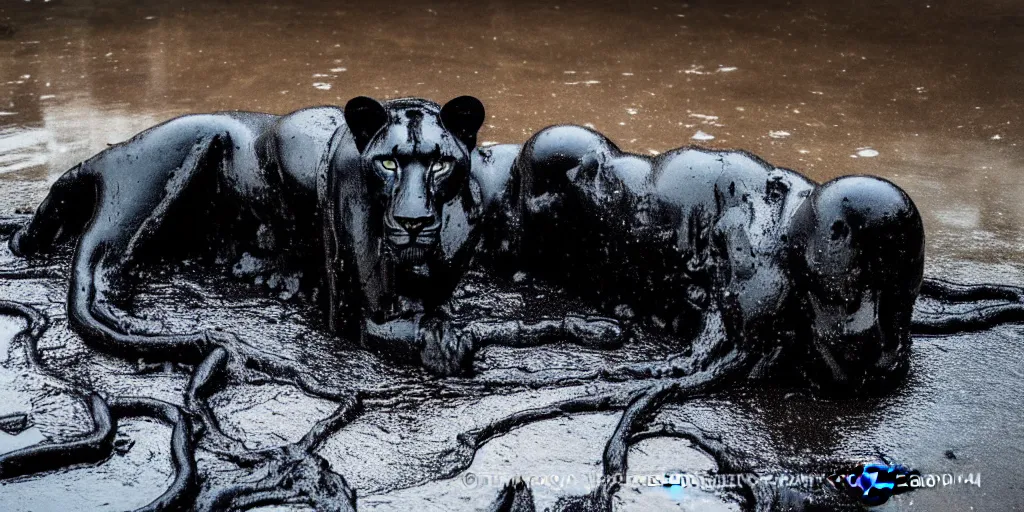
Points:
(927, 94)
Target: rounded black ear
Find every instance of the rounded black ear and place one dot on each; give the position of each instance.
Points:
(463, 116)
(364, 117)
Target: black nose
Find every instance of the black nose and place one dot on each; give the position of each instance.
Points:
(414, 224)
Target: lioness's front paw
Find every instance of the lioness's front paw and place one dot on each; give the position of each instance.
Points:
(447, 349)
(596, 331)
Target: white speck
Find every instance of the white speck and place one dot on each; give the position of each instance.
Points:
(590, 125)
(150, 17)
(323, 86)
(705, 117)
(585, 82)
(740, 109)
(109, 54)
(866, 152)
(338, 70)
(778, 134)
(627, 74)
(47, 97)
(622, 123)
(796, 111)
(699, 70)
(321, 75)
(7, 113)
(997, 137)
(486, 143)
(819, 93)
(700, 135)
(803, 151)
(654, 152)
(568, 72)
(26, 77)
(631, 111)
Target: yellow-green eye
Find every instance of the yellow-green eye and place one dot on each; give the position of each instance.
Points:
(389, 165)
(440, 167)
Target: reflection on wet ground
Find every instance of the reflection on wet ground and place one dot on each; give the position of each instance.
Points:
(926, 94)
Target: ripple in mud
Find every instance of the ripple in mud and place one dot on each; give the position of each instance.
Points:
(559, 458)
(9, 326)
(659, 456)
(125, 481)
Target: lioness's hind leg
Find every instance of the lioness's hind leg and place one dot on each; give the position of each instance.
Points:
(857, 253)
(103, 257)
(62, 214)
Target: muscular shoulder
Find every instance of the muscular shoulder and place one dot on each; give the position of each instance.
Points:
(300, 139)
(491, 169)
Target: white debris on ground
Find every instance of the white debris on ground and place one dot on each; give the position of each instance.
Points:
(865, 153)
(701, 135)
(778, 134)
(699, 70)
(707, 119)
(323, 86)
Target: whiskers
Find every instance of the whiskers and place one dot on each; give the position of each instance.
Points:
(411, 255)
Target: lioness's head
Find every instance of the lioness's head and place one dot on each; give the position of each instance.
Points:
(416, 158)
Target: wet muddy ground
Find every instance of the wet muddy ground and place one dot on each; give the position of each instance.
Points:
(927, 94)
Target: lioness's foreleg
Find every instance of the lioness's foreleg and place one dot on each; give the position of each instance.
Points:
(447, 346)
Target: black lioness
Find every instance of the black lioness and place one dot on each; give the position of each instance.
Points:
(380, 205)
(759, 265)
